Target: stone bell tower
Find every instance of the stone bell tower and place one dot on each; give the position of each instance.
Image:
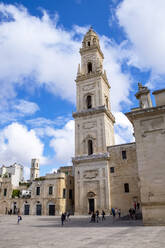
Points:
(94, 129)
(35, 169)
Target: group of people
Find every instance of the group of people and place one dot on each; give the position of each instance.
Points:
(65, 217)
(132, 211)
(95, 217)
(116, 212)
(10, 211)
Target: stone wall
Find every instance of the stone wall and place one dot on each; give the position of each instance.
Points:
(123, 169)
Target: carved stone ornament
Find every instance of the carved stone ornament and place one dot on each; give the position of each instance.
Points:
(90, 174)
(88, 87)
(89, 124)
(91, 194)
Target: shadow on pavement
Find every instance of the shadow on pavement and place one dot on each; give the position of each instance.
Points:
(84, 222)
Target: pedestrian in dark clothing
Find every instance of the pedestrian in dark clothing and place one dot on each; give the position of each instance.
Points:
(62, 219)
(113, 213)
(103, 215)
(130, 213)
(135, 206)
(133, 214)
(97, 216)
(119, 212)
(19, 218)
(93, 217)
(138, 205)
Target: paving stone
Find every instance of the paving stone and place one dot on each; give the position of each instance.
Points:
(46, 232)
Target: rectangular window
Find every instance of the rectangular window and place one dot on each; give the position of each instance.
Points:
(70, 194)
(126, 188)
(64, 193)
(112, 169)
(38, 191)
(50, 190)
(124, 155)
(5, 192)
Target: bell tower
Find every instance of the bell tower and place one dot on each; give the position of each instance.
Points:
(35, 169)
(94, 128)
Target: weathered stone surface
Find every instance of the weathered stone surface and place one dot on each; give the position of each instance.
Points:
(41, 232)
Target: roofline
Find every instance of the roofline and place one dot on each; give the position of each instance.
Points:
(126, 144)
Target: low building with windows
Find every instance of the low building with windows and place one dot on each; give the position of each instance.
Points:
(51, 194)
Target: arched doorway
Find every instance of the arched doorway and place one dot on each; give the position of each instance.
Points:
(26, 209)
(38, 209)
(51, 209)
(91, 202)
(14, 207)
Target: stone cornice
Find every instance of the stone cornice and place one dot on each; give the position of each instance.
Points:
(93, 111)
(145, 112)
(83, 77)
(150, 203)
(158, 91)
(91, 158)
(122, 145)
(93, 47)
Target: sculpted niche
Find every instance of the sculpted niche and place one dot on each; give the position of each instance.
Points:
(90, 174)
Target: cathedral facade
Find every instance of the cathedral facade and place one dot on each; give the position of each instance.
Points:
(108, 175)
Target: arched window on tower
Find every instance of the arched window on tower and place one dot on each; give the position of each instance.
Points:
(90, 147)
(89, 43)
(94, 40)
(89, 67)
(89, 102)
(106, 101)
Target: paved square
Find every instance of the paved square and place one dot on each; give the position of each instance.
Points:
(46, 232)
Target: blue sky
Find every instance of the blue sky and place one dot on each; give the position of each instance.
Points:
(39, 47)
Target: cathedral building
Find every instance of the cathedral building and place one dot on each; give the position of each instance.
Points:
(103, 175)
(108, 175)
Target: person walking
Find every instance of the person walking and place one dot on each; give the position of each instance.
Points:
(68, 215)
(103, 215)
(97, 216)
(119, 213)
(19, 218)
(113, 213)
(131, 213)
(62, 219)
(135, 205)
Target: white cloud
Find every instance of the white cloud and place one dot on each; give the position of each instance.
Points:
(63, 143)
(54, 170)
(25, 107)
(49, 55)
(36, 48)
(26, 172)
(41, 122)
(123, 129)
(144, 24)
(120, 82)
(17, 144)
(16, 109)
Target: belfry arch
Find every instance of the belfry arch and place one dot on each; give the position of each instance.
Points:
(89, 67)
